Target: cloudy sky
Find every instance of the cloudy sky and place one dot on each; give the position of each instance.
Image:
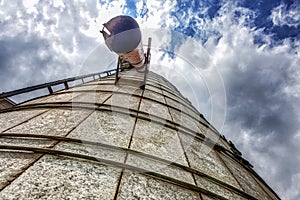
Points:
(237, 61)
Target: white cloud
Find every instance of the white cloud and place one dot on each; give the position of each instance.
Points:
(50, 40)
(30, 6)
(158, 15)
(256, 81)
(282, 16)
(293, 191)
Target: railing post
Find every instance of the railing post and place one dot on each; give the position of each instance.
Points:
(50, 90)
(66, 85)
(117, 71)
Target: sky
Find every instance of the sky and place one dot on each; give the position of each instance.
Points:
(237, 61)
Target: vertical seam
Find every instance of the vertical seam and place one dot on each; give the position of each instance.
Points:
(177, 133)
(126, 156)
(230, 170)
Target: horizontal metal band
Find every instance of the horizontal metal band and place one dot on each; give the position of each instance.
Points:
(189, 106)
(106, 107)
(129, 151)
(114, 164)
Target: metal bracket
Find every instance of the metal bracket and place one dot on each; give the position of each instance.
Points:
(146, 64)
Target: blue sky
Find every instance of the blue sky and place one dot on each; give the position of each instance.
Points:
(253, 47)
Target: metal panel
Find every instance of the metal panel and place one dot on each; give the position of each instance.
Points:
(217, 189)
(155, 109)
(138, 186)
(125, 101)
(157, 140)
(12, 164)
(92, 150)
(242, 175)
(11, 119)
(54, 122)
(59, 178)
(91, 97)
(106, 127)
(161, 168)
(203, 158)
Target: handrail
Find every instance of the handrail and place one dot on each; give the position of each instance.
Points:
(54, 83)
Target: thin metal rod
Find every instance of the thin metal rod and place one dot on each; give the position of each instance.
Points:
(66, 85)
(117, 72)
(50, 89)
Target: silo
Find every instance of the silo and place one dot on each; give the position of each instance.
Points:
(99, 140)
